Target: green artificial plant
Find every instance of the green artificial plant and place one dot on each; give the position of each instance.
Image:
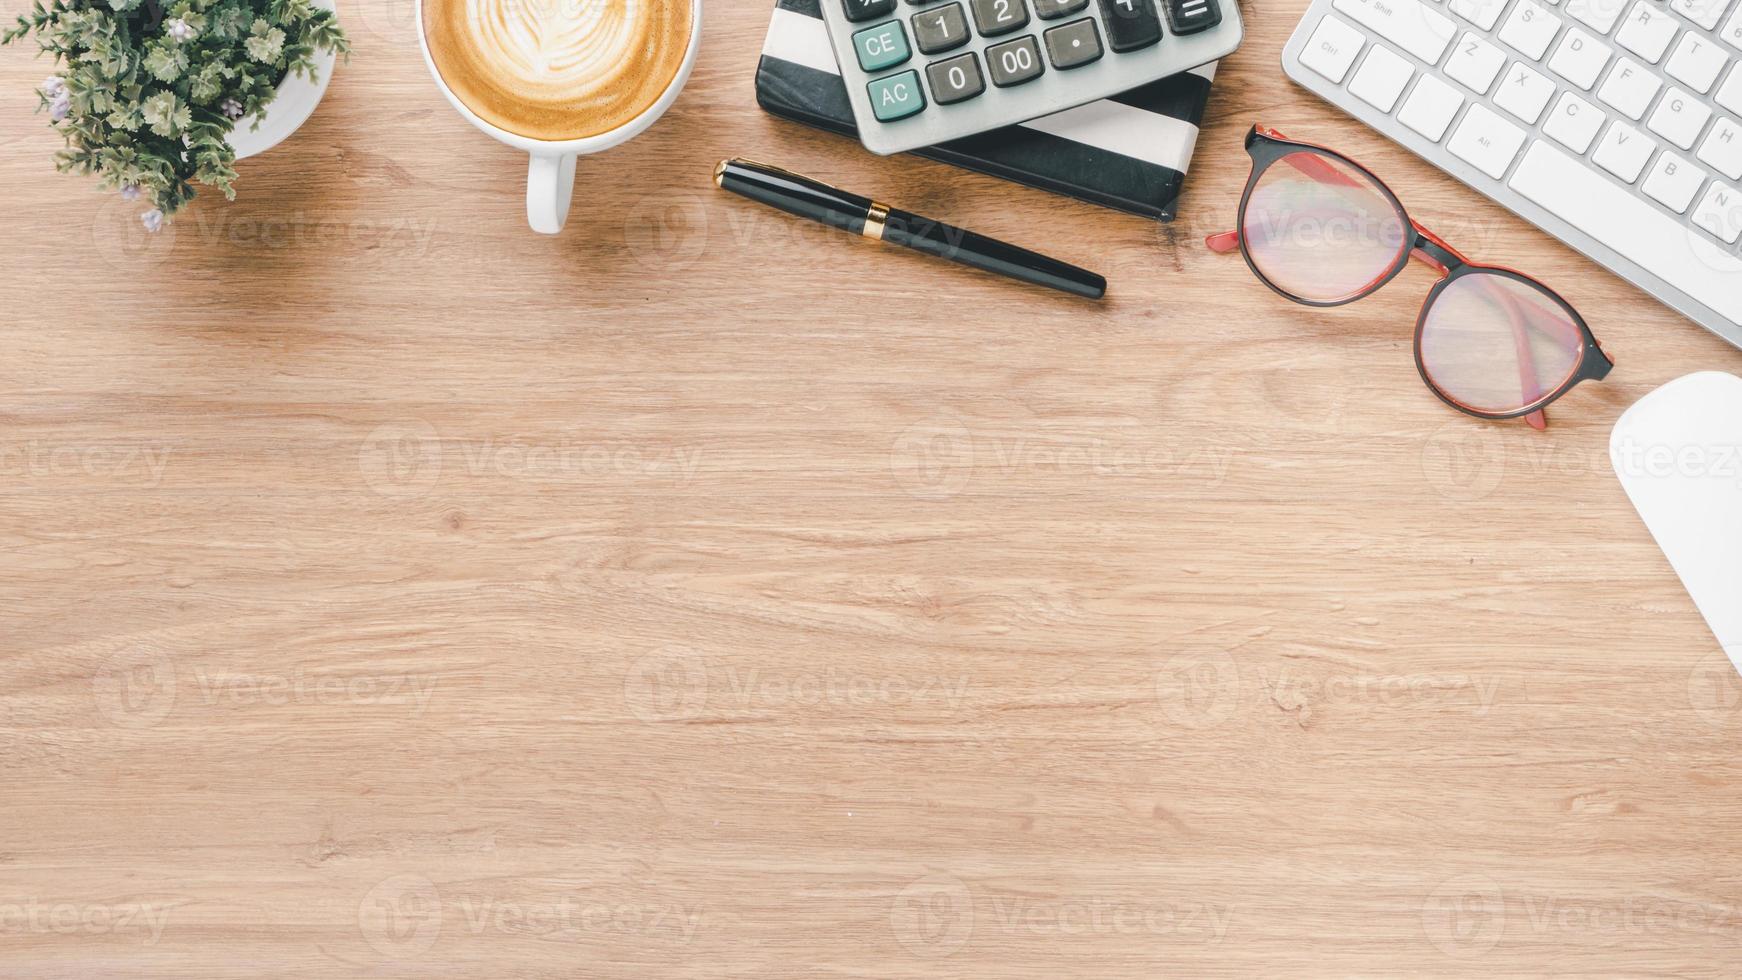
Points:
(148, 92)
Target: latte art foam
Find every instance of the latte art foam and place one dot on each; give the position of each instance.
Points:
(557, 69)
(546, 47)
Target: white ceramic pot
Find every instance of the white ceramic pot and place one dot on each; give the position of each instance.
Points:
(297, 97)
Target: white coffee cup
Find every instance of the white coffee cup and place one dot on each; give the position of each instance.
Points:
(550, 178)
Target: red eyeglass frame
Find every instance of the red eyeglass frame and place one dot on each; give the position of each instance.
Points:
(1267, 146)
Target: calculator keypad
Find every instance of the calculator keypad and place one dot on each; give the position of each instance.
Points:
(1192, 16)
(859, 11)
(897, 96)
(1014, 62)
(1074, 45)
(1026, 38)
(1131, 24)
(995, 17)
(956, 79)
(883, 46)
(940, 29)
(1054, 9)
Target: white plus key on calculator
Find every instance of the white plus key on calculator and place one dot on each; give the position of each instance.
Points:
(921, 72)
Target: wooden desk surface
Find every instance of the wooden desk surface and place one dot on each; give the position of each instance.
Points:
(392, 592)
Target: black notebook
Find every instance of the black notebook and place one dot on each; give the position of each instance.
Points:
(1129, 152)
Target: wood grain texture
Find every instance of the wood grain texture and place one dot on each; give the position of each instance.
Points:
(391, 592)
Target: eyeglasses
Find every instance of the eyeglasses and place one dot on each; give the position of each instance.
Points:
(1321, 230)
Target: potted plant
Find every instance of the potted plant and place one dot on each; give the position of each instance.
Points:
(152, 96)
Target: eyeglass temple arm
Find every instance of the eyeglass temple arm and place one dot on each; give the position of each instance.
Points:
(1433, 251)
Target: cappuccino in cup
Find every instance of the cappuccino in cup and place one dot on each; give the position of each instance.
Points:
(559, 78)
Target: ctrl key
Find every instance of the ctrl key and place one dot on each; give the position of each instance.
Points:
(1332, 49)
(896, 97)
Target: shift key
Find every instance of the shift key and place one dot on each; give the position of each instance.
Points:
(1131, 24)
(1409, 24)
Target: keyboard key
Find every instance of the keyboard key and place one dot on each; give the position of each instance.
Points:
(1673, 182)
(1409, 24)
(1732, 32)
(1629, 88)
(883, 46)
(1720, 212)
(1647, 31)
(1680, 118)
(1381, 78)
(1623, 151)
(896, 97)
(1486, 140)
(1651, 239)
(1722, 150)
(1598, 15)
(1697, 62)
(862, 10)
(1573, 123)
(995, 17)
(1530, 28)
(1014, 62)
(1705, 13)
(1192, 16)
(1430, 108)
(956, 79)
(1482, 13)
(1332, 48)
(1524, 93)
(1131, 24)
(1052, 9)
(1730, 96)
(940, 29)
(1475, 62)
(1580, 58)
(1074, 45)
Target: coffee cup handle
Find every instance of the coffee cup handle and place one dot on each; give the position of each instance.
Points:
(550, 183)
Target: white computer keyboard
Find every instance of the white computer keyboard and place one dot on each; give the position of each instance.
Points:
(1611, 124)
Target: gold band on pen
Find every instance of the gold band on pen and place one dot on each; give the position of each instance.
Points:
(874, 220)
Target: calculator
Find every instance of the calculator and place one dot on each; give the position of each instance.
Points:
(920, 72)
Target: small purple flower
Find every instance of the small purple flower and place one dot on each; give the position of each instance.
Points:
(152, 220)
(130, 192)
(231, 108)
(52, 86)
(61, 107)
(178, 30)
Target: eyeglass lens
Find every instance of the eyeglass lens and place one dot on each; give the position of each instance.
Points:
(1497, 344)
(1322, 230)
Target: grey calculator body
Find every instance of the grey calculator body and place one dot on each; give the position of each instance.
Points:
(921, 72)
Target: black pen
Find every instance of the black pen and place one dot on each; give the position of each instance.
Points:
(819, 202)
